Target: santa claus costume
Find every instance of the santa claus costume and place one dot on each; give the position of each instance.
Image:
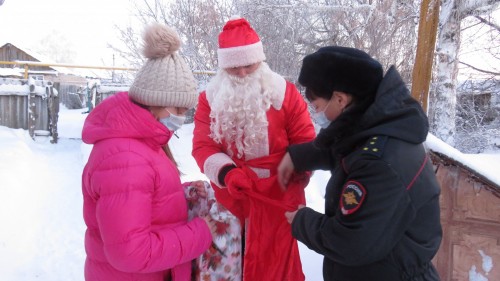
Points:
(243, 126)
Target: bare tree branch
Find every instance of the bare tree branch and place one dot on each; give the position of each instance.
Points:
(480, 70)
(489, 23)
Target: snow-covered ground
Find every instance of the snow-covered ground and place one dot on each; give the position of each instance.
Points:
(41, 224)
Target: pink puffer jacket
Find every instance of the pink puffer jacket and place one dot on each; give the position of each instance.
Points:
(134, 204)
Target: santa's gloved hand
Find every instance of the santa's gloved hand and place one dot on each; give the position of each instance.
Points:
(238, 183)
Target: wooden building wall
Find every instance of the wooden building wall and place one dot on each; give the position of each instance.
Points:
(470, 216)
(9, 52)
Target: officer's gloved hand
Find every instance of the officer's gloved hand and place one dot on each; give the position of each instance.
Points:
(238, 183)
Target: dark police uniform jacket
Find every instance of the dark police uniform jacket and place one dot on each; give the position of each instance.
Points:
(382, 216)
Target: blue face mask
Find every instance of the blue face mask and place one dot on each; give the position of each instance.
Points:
(173, 122)
(320, 118)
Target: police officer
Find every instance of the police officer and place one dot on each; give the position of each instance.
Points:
(381, 219)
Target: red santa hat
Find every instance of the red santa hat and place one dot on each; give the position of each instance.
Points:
(239, 44)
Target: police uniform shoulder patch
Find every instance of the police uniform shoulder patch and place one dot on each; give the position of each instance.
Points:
(353, 195)
(375, 145)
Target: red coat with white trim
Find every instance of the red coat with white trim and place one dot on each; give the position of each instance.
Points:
(271, 253)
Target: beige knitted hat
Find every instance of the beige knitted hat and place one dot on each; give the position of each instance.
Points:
(165, 79)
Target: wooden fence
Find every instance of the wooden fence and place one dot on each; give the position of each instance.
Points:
(71, 96)
(34, 105)
(106, 90)
(31, 105)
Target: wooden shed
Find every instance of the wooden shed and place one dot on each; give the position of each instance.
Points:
(470, 216)
(65, 81)
(10, 52)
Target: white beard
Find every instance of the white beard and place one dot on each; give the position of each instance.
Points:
(238, 110)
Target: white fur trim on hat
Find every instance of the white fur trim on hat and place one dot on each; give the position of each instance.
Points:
(241, 55)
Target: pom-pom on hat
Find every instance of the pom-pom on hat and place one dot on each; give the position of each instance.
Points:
(239, 44)
(165, 79)
(343, 69)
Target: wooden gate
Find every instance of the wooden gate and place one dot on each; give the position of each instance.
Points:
(31, 105)
(470, 216)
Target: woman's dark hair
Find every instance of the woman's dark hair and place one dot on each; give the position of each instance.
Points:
(311, 94)
(346, 124)
(170, 156)
(166, 148)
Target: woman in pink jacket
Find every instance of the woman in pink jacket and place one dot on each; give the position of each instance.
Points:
(134, 204)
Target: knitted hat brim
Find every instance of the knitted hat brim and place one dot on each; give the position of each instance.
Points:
(164, 98)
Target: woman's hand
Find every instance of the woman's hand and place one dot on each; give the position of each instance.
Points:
(291, 215)
(200, 188)
(285, 171)
(211, 225)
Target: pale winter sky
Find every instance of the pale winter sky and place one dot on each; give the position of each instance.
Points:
(88, 26)
(475, 40)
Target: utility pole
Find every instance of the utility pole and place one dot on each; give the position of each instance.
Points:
(426, 45)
